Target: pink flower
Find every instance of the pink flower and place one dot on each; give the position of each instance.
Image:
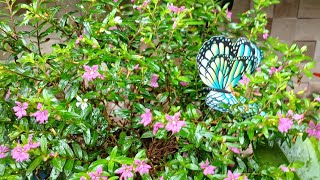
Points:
(229, 14)
(146, 117)
(298, 116)
(274, 70)
(258, 69)
(284, 124)
(115, 1)
(83, 178)
(175, 9)
(136, 67)
(182, 8)
(20, 109)
(153, 81)
(91, 73)
(182, 83)
(174, 124)
(313, 130)
(317, 99)
(7, 95)
(232, 176)
(245, 80)
(284, 168)
(97, 175)
(125, 171)
(235, 150)
(265, 35)
(32, 145)
(144, 4)
(3, 151)
(113, 28)
(207, 169)
(156, 127)
(185, 155)
(20, 153)
(174, 25)
(79, 39)
(256, 92)
(290, 113)
(142, 167)
(41, 115)
(161, 178)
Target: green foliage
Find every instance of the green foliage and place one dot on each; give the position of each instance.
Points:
(77, 139)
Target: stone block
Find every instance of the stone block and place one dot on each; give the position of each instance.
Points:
(302, 87)
(240, 6)
(307, 29)
(286, 8)
(315, 86)
(309, 9)
(317, 52)
(311, 47)
(284, 28)
(4, 55)
(47, 46)
(268, 10)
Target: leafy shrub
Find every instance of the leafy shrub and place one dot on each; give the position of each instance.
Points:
(120, 94)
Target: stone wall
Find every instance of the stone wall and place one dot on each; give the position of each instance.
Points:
(294, 21)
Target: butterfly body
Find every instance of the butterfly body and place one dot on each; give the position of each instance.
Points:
(222, 64)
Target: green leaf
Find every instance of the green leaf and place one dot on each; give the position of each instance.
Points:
(110, 165)
(71, 92)
(58, 163)
(87, 136)
(54, 173)
(123, 160)
(96, 163)
(87, 27)
(141, 154)
(113, 153)
(127, 144)
(77, 150)
(192, 167)
(65, 146)
(43, 144)
(35, 163)
(68, 167)
(265, 131)
(308, 153)
(29, 57)
(47, 95)
(269, 156)
(147, 134)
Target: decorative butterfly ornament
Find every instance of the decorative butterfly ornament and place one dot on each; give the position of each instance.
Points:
(222, 64)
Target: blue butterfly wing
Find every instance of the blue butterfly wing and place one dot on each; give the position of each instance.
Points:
(218, 100)
(213, 61)
(222, 64)
(244, 48)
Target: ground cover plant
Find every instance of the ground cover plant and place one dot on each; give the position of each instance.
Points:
(119, 95)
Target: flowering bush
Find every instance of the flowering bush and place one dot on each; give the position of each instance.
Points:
(120, 96)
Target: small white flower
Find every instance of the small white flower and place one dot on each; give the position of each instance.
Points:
(82, 102)
(117, 20)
